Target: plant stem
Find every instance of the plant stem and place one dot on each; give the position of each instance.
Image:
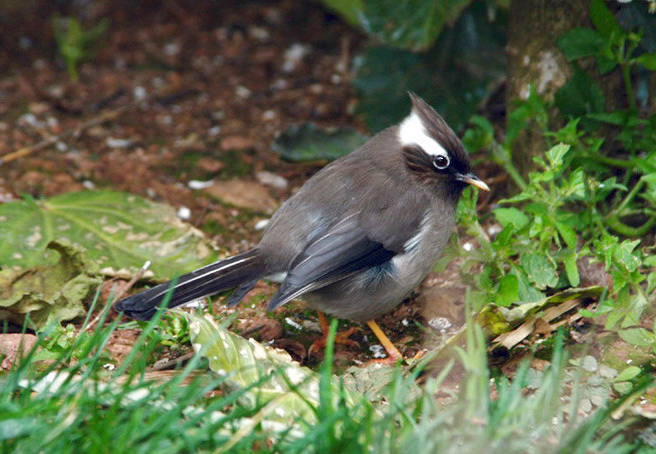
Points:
(626, 76)
(514, 174)
(621, 163)
(629, 197)
(618, 226)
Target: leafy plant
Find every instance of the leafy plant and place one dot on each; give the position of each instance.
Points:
(592, 197)
(75, 44)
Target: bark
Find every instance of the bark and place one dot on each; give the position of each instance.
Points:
(534, 59)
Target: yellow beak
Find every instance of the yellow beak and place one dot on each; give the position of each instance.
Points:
(472, 179)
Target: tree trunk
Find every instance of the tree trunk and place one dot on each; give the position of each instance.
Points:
(534, 59)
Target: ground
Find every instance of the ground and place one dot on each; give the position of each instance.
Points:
(186, 94)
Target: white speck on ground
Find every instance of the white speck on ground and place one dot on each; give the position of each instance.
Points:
(378, 351)
(184, 213)
(198, 184)
(439, 323)
(293, 323)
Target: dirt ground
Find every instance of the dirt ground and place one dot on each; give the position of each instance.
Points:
(192, 93)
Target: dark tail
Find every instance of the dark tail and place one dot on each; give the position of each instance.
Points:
(209, 280)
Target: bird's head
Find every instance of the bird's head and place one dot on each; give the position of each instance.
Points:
(433, 152)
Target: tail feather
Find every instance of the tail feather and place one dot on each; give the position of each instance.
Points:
(206, 281)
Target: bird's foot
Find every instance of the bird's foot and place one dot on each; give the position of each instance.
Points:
(341, 338)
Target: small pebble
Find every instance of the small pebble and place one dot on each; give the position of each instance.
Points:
(139, 93)
(377, 351)
(198, 184)
(243, 92)
(184, 213)
(271, 179)
(293, 323)
(294, 55)
(118, 143)
(439, 323)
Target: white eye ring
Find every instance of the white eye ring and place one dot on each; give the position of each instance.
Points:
(441, 162)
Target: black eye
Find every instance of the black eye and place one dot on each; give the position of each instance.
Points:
(441, 161)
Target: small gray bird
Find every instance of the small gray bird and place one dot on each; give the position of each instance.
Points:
(357, 238)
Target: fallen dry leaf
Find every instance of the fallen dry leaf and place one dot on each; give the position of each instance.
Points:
(243, 194)
(13, 347)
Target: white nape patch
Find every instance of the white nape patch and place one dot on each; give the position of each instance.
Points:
(413, 132)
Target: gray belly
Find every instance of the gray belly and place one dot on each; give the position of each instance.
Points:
(375, 292)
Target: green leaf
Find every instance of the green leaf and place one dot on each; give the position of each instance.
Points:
(581, 95)
(648, 61)
(539, 269)
(556, 154)
(623, 254)
(568, 234)
(474, 46)
(280, 388)
(638, 336)
(628, 374)
(511, 216)
(508, 292)
(571, 269)
(48, 292)
(603, 19)
(480, 135)
(580, 42)
(118, 231)
(348, 9)
(308, 142)
(527, 292)
(413, 25)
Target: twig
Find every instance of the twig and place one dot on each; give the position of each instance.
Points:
(161, 97)
(172, 363)
(119, 294)
(25, 151)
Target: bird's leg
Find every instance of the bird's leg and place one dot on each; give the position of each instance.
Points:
(393, 354)
(342, 337)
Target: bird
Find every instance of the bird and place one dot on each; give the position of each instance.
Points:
(356, 239)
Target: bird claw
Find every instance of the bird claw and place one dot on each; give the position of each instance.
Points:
(342, 338)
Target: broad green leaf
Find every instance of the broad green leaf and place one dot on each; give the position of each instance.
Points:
(571, 269)
(539, 269)
(480, 135)
(648, 61)
(307, 142)
(638, 336)
(48, 292)
(527, 292)
(628, 373)
(411, 24)
(348, 9)
(623, 254)
(118, 231)
(581, 95)
(556, 155)
(285, 391)
(603, 19)
(511, 216)
(568, 234)
(453, 76)
(508, 292)
(580, 42)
